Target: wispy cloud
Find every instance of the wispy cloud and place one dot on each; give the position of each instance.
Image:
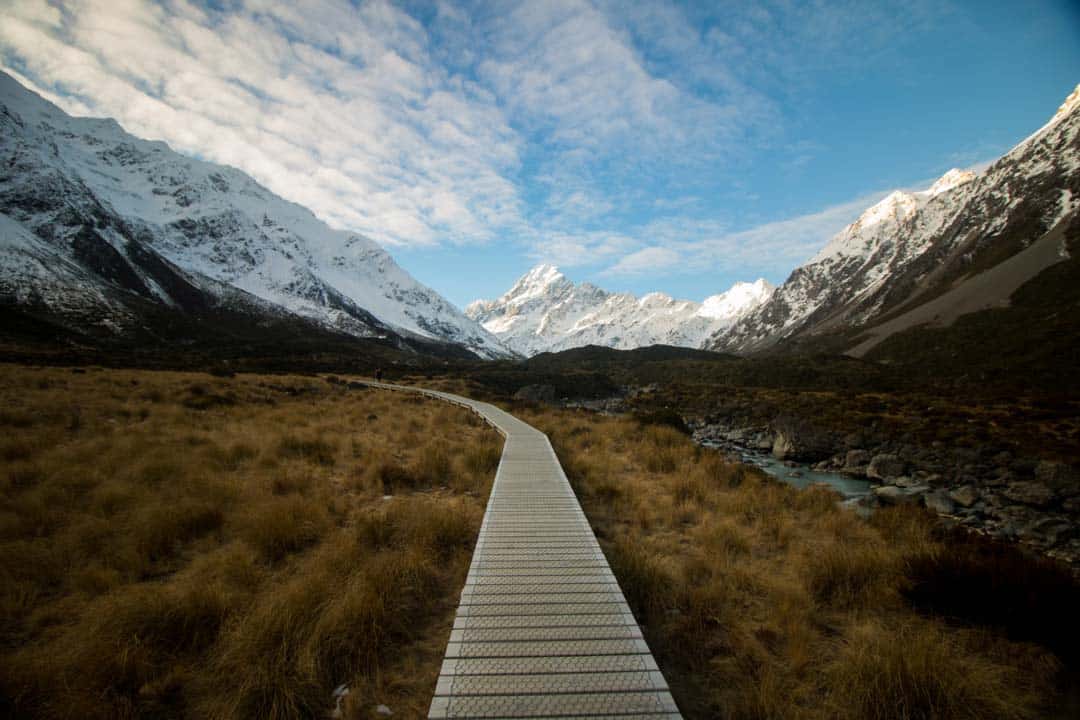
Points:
(647, 261)
(340, 108)
(677, 245)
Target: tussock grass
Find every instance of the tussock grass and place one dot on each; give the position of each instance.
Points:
(763, 601)
(916, 669)
(220, 547)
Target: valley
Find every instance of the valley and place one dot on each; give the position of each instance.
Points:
(851, 494)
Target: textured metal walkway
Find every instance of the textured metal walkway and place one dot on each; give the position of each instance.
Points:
(543, 630)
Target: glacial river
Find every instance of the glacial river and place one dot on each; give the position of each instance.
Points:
(802, 476)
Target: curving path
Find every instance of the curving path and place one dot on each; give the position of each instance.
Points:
(543, 630)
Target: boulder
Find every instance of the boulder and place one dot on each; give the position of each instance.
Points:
(855, 462)
(965, 495)
(782, 446)
(1049, 531)
(738, 435)
(800, 439)
(892, 495)
(1059, 477)
(885, 466)
(1029, 493)
(940, 502)
(934, 479)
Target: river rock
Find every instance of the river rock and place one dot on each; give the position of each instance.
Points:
(1029, 493)
(892, 495)
(934, 479)
(782, 446)
(738, 435)
(1049, 531)
(1058, 477)
(885, 467)
(940, 502)
(856, 461)
(965, 495)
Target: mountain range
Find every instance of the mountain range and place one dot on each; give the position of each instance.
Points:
(913, 260)
(546, 312)
(105, 235)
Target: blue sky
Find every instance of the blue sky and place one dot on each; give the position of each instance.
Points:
(642, 146)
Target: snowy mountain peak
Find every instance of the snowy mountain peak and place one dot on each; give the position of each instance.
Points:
(544, 311)
(736, 302)
(893, 206)
(1072, 102)
(536, 282)
(949, 180)
(865, 236)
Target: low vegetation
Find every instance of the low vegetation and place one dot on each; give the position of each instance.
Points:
(182, 545)
(762, 601)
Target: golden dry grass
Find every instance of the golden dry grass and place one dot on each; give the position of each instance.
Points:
(762, 601)
(181, 545)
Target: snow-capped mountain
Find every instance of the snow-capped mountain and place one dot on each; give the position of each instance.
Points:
(915, 248)
(546, 312)
(95, 224)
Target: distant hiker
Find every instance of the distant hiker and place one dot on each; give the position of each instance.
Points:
(378, 374)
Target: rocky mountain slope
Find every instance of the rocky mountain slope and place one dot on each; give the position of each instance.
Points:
(106, 234)
(546, 312)
(913, 248)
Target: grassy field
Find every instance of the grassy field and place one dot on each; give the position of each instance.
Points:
(761, 601)
(182, 545)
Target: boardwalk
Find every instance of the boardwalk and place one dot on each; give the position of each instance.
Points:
(543, 630)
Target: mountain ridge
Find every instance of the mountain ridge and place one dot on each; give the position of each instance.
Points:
(544, 311)
(913, 247)
(131, 218)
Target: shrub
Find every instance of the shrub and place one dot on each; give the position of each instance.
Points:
(207, 400)
(161, 530)
(394, 477)
(434, 466)
(279, 526)
(665, 417)
(973, 581)
(257, 670)
(846, 575)
(916, 671)
(308, 449)
(482, 458)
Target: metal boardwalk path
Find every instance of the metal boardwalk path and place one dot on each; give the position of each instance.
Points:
(543, 630)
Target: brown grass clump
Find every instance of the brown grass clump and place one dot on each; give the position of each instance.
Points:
(917, 669)
(180, 545)
(763, 601)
